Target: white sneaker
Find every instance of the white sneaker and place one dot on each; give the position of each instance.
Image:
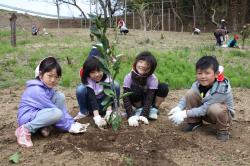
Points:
(80, 116)
(153, 113)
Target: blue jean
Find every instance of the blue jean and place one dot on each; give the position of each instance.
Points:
(48, 116)
(81, 95)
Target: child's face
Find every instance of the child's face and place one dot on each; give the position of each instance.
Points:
(206, 77)
(142, 67)
(96, 75)
(50, 79)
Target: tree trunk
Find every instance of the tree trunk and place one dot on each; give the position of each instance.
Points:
(234, 13)
(243, 12)
(104, 8)
(176, 14)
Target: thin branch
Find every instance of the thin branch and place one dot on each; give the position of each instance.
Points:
(212, 17)
(77, 148)
(73, 3)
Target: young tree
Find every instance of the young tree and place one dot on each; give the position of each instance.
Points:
(110, 65)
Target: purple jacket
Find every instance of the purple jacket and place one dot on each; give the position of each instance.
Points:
(38, 96)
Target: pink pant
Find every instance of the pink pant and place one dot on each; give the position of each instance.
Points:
(217, 113)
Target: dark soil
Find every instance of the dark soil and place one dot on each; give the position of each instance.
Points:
(159, 143)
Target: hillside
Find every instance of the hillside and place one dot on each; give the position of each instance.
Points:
(26, 21)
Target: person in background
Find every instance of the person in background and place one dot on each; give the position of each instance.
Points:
(34, 30)
(122, 26)
(196, 31)
(219, 35)
(233, 42)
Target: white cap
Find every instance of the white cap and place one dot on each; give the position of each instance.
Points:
(38, 66)
(37, 70)
(221, 69)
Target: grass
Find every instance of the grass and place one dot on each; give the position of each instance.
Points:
(176, 59)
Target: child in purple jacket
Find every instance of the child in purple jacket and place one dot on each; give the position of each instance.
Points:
(42, 106)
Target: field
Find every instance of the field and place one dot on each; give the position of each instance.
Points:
(160, 142)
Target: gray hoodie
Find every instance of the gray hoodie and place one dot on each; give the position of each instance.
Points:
(220, 92)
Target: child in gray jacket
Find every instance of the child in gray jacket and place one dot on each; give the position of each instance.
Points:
(210, 99)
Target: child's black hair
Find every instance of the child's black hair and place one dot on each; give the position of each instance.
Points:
(148, 57)
(206, 62)
(91, 64)
(49, 64)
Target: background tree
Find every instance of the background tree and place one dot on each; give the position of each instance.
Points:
(109, 7)
(74, 3)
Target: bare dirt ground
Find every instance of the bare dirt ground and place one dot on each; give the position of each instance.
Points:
(159, 143)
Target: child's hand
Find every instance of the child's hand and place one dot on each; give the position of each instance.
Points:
(178, 117)
(134, 120)
(174, 110)
(78, 128)
(144, 119)
(99, 121)
(107, 116)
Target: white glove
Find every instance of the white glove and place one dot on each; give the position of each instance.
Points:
(133, 121)
(178, 117)
(144, 119)
(107, 116)
(174, 110)
(99, 121)
(78, 128)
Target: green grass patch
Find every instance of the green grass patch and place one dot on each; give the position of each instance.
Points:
(175, 67)
(238, 53)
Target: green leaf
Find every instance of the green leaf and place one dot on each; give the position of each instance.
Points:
(105, 100)
(119, 55)
(14, 158)
(115, 74)
(116, 122)
(95, 31)
(109, 104)
(105, 42)
(109, 92)
(100, 49)
(105, 84)
(104, 65)
(126, 94)
(93, 17)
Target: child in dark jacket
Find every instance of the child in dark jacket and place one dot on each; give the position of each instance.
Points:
(210, 98)
(233, 42)
(147, 94)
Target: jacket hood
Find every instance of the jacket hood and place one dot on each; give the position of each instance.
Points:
(35, 82)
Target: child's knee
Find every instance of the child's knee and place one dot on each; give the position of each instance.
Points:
(217, 109)
(59, 97)
(162, 90)
(57, 114)
(81, 89)
(191, 94)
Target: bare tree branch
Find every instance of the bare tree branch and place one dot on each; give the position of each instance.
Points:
(73, 3)
(212, 17)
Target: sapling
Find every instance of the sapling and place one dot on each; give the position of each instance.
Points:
(110, 65)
